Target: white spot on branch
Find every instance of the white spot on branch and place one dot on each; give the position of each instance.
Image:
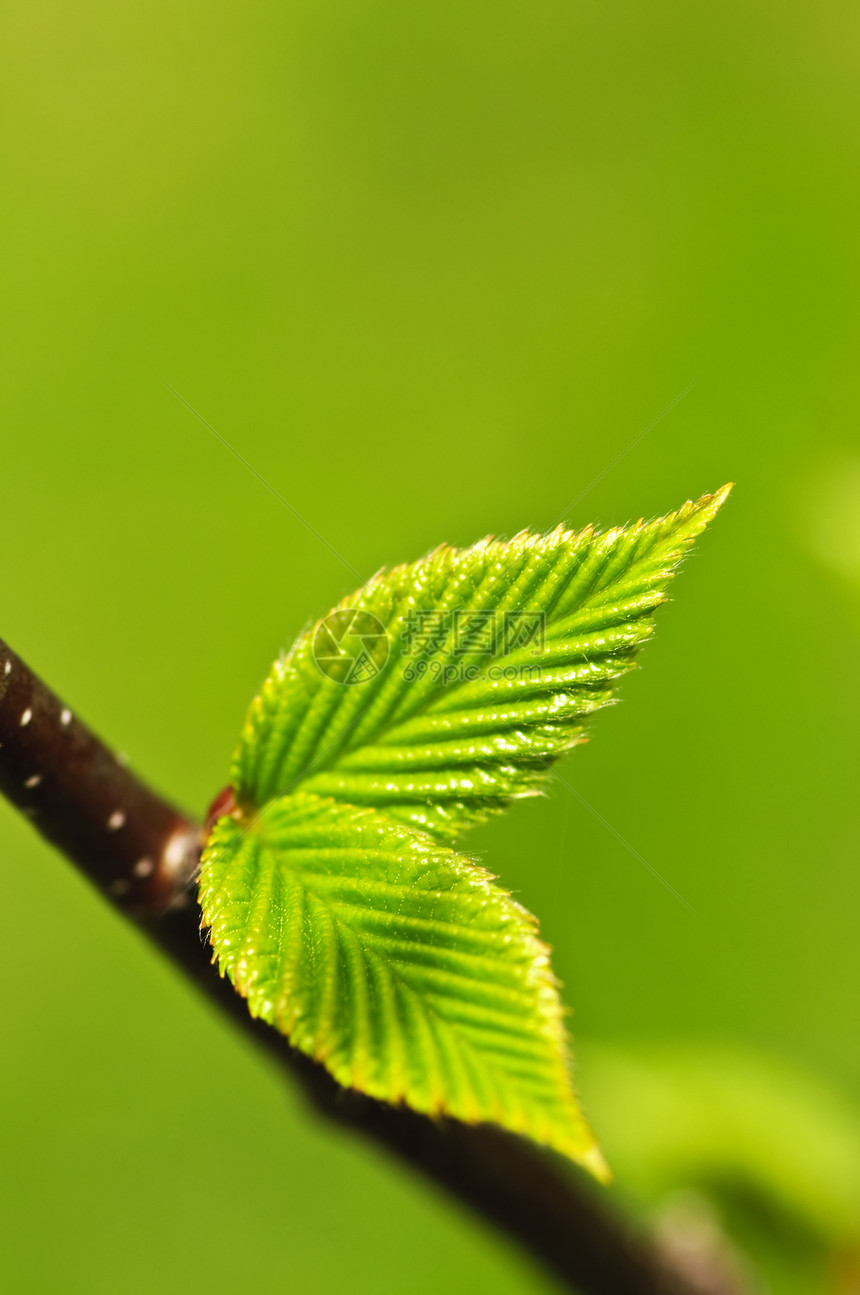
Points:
(65, 716)
(143, 868)
(178, 854)
(116, 820)
(34, 780)
(7, 669)
(26, 717)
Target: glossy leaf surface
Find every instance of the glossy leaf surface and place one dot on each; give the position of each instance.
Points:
(432, 696)
(396, 963)
(423, 694)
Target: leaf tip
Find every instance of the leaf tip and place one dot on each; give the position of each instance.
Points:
(710, 505)
(593, 1160)
(693, 518)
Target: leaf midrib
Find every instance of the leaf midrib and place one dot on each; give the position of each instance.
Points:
(395, 968)
(395, 620)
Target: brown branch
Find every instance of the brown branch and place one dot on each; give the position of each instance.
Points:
(78, 794)
(141, 853)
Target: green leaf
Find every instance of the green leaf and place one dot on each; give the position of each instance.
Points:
(396, 963)
(432, 696)
(372, 708)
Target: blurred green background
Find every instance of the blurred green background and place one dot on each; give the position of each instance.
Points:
(431, 270)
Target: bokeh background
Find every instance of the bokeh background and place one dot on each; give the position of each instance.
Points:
(432, 270)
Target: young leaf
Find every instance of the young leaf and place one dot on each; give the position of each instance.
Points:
(442, 689)
(430, 697)
(396, 963)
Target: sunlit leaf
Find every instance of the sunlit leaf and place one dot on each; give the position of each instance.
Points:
(442, 689)
(429, 698)
(396, 963)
